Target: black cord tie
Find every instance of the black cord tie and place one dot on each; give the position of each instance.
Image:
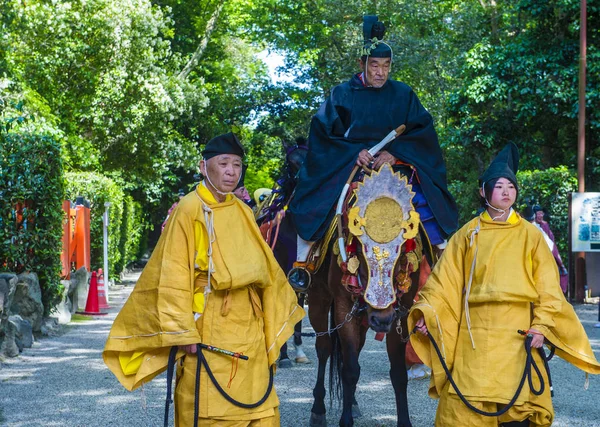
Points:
(529, 363)
(202, 360)
(170, 369)
(224, 393)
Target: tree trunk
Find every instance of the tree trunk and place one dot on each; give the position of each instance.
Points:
(210, 26)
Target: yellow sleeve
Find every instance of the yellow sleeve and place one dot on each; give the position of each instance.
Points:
(131, 361)
(547, 283)
(440, 305)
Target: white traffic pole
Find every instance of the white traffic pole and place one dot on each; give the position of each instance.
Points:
(105, 235)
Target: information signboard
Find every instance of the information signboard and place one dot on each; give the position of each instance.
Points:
(585, 222)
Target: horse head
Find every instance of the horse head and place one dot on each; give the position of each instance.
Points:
(384, 249)
(295, 154)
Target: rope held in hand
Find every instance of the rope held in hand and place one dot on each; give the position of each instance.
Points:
(529, 363)
(202, 360)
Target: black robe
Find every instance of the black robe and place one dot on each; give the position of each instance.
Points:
(356, 117)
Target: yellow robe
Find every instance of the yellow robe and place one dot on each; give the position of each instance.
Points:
(250, 309)
(515, 285)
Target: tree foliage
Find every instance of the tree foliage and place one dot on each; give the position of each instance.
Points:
(106, 69)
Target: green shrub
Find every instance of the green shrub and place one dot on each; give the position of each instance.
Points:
(31, 175)
(467, 199)
(132, 228)
(99, 189)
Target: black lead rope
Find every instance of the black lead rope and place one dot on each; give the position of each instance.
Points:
(202, 360)
(530, 362)
(170, 369)
(224, 393)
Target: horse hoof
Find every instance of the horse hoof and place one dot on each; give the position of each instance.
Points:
(303, 360)
(318, 420)
(356, 411)
(284, 363)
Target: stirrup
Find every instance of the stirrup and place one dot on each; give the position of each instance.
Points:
(299, 277)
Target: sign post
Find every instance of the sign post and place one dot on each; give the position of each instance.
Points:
(105, 235)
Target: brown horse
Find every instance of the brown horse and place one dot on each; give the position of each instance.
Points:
(339, 301)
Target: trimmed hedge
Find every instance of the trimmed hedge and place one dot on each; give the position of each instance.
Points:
(31, 216)
(132, 228)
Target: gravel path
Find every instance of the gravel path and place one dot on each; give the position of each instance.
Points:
(62, 381)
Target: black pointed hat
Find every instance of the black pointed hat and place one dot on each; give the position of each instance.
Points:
(373, 32)
(504, 165)
(223, 144)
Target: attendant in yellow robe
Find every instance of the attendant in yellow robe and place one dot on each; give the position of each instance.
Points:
(496, 276)
(211, 279)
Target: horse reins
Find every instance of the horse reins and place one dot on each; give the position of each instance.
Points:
(202, 361)
(529, 363)
(278, 218)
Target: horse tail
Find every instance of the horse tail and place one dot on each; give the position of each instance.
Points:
(335, 364)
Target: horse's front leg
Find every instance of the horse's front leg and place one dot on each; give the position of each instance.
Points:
(319, 300)
(396, 350)
(349, 339)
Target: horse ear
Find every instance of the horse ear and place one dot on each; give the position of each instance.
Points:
(301, 141)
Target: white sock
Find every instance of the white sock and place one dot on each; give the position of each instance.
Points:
(303, 248)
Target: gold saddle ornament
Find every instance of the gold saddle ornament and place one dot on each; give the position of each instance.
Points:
(383, 218)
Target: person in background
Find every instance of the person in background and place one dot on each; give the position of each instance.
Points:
(241, 192)
(541, 222)
(180, 196)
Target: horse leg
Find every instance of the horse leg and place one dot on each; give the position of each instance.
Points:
(356, 412)
(349, 337)
(320, 300)
(298, 327)
(284, 359)
(396, 350)
(300, 354)
(349, 342)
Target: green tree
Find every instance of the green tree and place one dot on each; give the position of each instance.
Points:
(519, 83)
(106, 69)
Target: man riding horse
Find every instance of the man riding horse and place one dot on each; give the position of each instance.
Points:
(355, 117)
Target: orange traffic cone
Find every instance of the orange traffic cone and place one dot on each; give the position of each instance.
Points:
(91, 306)
(102, 302)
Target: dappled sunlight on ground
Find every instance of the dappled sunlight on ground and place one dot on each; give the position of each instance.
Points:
(305, 400)
(373, 386)
(99, 392)
(83, 351)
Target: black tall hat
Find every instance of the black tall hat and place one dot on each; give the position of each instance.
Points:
(504, 165)
(373, 32)
(223, 144)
